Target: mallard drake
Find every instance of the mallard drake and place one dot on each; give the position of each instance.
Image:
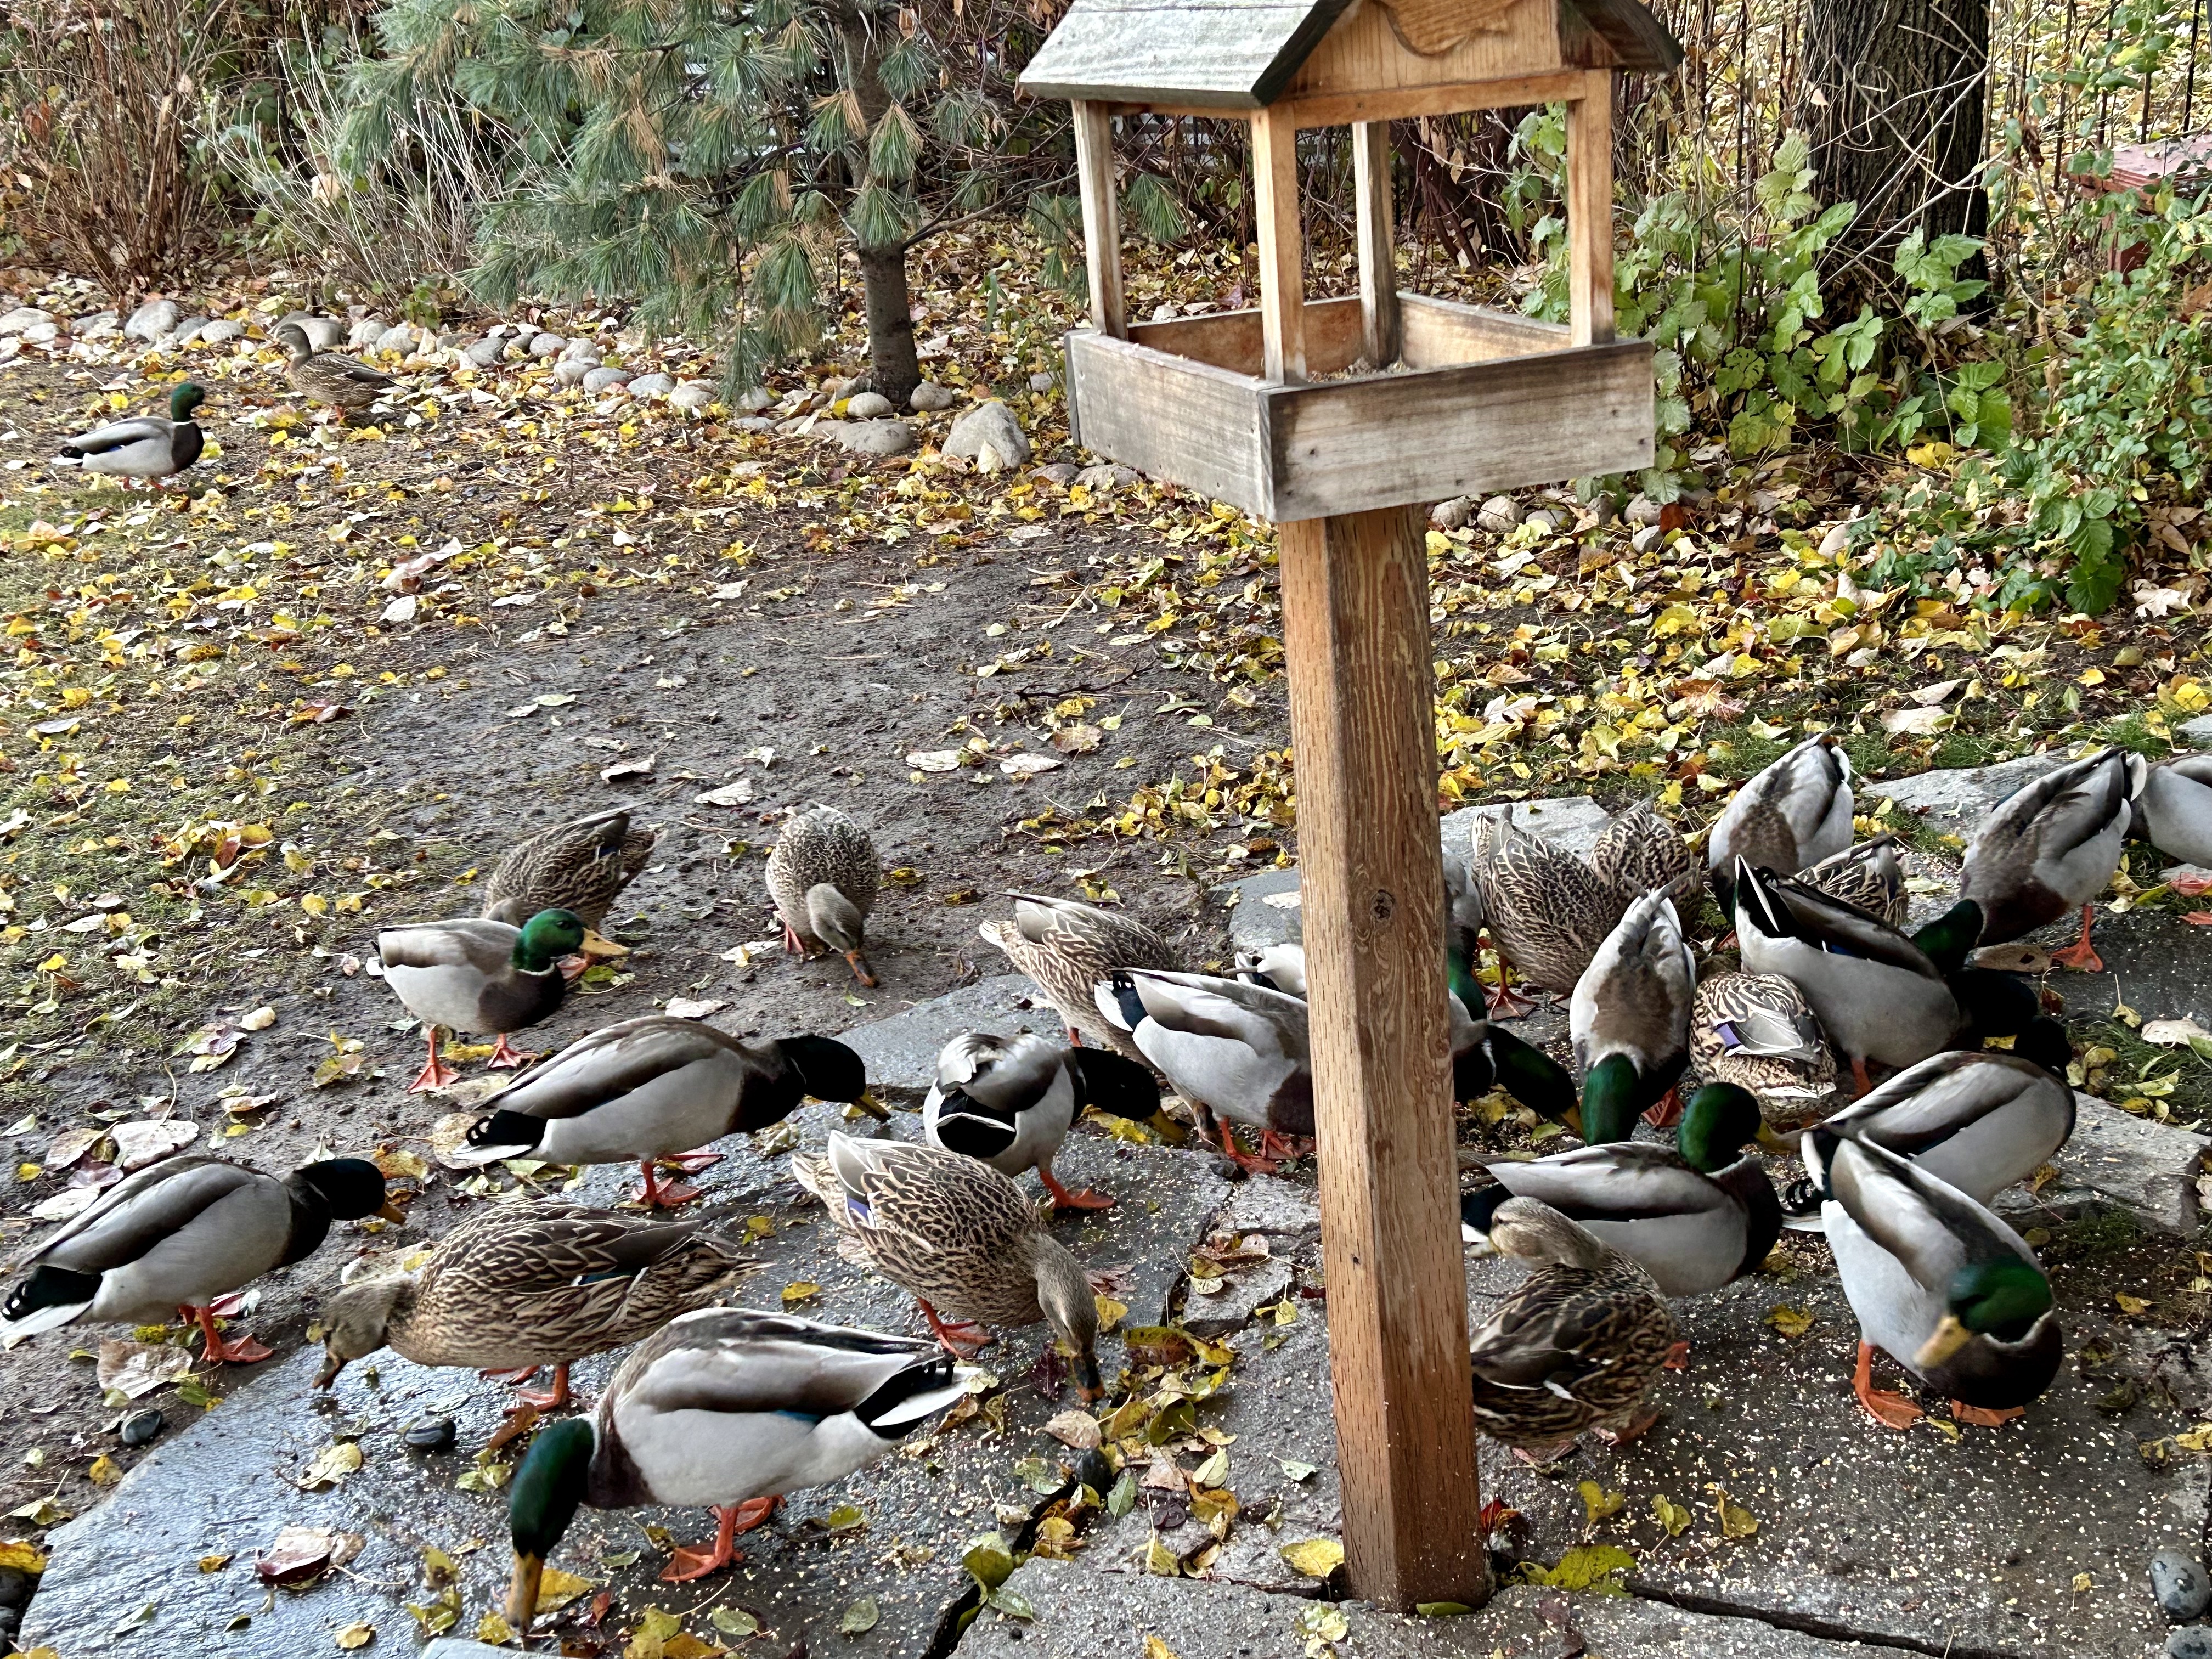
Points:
(580, 867)
(1487, 1056)
(1575, 1346)
(518, 1286)
(1233, 1050)
(1463, 920)
(146, 447)
(1067, 948)
(1546, 910)
(476, 974)
(2177, 808)
(1797, 811)
(1867, 876)
(1758, 1032)
(2048, 849)
(330, 377)
(1878, 994)
(1638, 852)
(1938, 1283)
(958, 1238)
(822, 875)
(177, 1236)
(724, 1407)
(1695, 1216)
(1629, 1019)
(1979, 1121)
(1010, 1101)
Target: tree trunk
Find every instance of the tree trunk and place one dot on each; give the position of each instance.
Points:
(1893, 96)
(893, 368)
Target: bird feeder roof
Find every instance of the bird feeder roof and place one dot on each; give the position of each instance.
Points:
(1235, 55)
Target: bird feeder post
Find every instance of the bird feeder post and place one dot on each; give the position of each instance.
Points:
(1380, 336)
(1101, 217)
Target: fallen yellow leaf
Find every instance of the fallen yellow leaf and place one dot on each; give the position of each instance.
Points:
(1316, 1558)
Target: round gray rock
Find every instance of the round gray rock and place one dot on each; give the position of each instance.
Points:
(548, 345)
(150, 322)
(365, 332)
(23, 316)
(928, 397)
(2181, 1584)
(1546, 523)
(753, 423)
(652, 386)
(1452, 514)
(580, 348)
(1060, 472)
(188, 330)
(753, 399)
(599, 379)
(221, 331)
(877, 437)
(1498, 514)
(42, 334)
(98, 326)
(693, 395)
(573, 371)
(989, 427)
(868, 406)
(485, 352)
(2191, 1642)
(1043, 382)
(400, 338)
(1641, 510)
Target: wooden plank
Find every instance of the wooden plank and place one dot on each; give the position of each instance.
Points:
(1445, 333)
(1378, 242)
(1366, 52)
(1339, 109)
(1355, 628)
(1282, 247)
(1169, 417)
(1230, 339)
(1634, 38)
(1382, 439)
(1217, 54)
(1590, 211)
(1101, 216)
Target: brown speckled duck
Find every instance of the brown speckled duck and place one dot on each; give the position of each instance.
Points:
(330, 377)
(581, 865)
(1069, 948)
(822, 875)
(1546, 910)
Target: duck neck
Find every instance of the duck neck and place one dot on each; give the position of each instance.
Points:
(1609, 1100)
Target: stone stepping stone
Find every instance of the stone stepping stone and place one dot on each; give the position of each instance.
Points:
(2116, 1159)
(901, 1052)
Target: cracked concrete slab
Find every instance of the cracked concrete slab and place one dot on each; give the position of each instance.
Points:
(1952, 800)
(901, 1052)
(2144, 1167)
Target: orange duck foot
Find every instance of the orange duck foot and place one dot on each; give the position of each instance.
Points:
(1668, 1111)
(244, 1351)
(1982, 1417)
(1678, 1358)
(689, 1563)
(953, 1334)
(1635, 1429)
(506, 1057)
(1080, 1198)
(2081, 956)
(1891, 1410)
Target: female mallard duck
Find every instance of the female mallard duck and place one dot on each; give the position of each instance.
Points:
(1546, 910)
(724, 1407)
(2050, 849)
(1233, 1050)
(822, 875)
(958, 1238)
(477, 975)
(176, 1237)
(1938, 1283)
(650, 1087)
(1695, 1216)
(1067, 948)
(1879, 996)
(1629, 1019)
(1796, 812)
(330, 377)
(1575, 1346)
(2177, 808)
(146, 447)
(1010, 1101)
(582, 865)
(1639, 852)
(1979, 1121)
(1758, 1032)
(1867, 876)
(518, 1286)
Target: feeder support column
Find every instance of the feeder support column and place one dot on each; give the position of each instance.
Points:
(1101, 216)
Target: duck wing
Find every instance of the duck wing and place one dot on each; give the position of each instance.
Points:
(146, 1209)
(614, 1061)
(2062, 831)
(984, 1083)
(122, 435)
(475, 943)
(1796, 813)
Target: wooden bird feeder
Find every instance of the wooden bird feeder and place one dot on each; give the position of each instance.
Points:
(1336, 420)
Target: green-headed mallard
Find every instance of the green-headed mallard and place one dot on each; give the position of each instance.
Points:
(1938, 1283)
(1695, 1216)
(145, 448)
(519, 1286)
(1010, 1101)
(1575, 1346)
(654, 1087)
(2177, 808)
(1867, 876)
(1487, 1056)
(1233, 1050)
(822, 876)
(330, 377)
(1067, 948)
(582, 865)
(1546, 910)
(1639, 852)
(1797, 811)
(2048, 848)
(476, 974)
(1878, 994)
(958, 1238)
(1629, 1019)
(729, 1408)
(178, 1237)
(1463, 920)
(1758, 1032)
(1978, 1120)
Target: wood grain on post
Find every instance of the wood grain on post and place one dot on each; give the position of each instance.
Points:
(1282, 248)
(1590, 211)
(1102, 216)
(1356, 622)
(1378, 241)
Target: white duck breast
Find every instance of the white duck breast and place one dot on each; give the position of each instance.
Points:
(2177, 808)
(1008, 1101)
(1796, 813)
(1978, 1122)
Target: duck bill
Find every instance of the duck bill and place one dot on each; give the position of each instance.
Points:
(1950, 1336)
(522, 1593)
(390, 1212)
(1090, 1387)
(1477, 1245)
(333, 1364)
(861, 971)
(874, 1108)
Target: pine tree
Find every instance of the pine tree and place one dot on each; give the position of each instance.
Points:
(706, 160)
